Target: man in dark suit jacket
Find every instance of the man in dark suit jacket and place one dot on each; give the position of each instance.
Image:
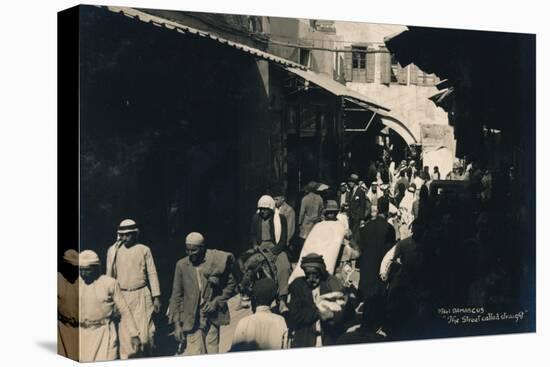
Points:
(342, 195)
(313, 327)
(203, 282)
(358, 205)
(375, 239)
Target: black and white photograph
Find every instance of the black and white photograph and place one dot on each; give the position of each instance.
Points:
(257, 183)
(239, 183)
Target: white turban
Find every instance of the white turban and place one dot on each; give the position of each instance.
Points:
(71, 257)
(127, 226)
(88, 258)
(266, 202)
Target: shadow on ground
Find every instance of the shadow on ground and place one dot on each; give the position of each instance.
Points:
(49, 346)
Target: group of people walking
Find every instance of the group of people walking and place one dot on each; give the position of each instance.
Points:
(110, 313)
(374, 231)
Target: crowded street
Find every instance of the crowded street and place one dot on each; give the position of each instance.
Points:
(390, 268)
(255, 190)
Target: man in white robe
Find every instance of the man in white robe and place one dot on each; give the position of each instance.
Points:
(132, 265)
(67, 306)
(406, 212)
(262, 330)
(99, 295)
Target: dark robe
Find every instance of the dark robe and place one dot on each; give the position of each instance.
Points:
(376, 238)
(406, 302)
(371, 173)
(303, 315)
(256, 233)
(358, 208)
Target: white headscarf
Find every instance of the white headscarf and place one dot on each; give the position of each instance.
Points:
(88, 258)
(277, 225)
(71, 257)
(407, 201)
(268, 202)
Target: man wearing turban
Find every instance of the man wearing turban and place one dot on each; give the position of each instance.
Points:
(268, 233)
(99, 296)
(67, 305)
(132, 265)
(317, 305)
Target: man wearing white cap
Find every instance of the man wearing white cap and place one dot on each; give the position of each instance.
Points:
(67, 305)
(268, 232)
(132, 265)
(99, 295)
(203, 282)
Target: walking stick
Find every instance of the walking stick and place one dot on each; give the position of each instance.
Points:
(61, 338)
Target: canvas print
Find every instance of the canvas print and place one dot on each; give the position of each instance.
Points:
(240, 183)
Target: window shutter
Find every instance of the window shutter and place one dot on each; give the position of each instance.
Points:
(385, 68)
(414, 74)
(433, 80)
(429, 79)
(421, 77)
(370, 66)
(347, 63)
(402, 75)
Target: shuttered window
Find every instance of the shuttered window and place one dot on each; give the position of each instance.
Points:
(402, 77)
(305, 57)
(347, 64)
(421, 78)
(371, 67)
(413, 78)
(430, 80)
(395, 69)
(359, 63)
(385, 67)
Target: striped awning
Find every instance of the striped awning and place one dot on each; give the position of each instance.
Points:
(184, 29)
(331, 85)
(323, 81)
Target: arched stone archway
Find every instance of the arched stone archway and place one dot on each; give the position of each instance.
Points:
(400, 128)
